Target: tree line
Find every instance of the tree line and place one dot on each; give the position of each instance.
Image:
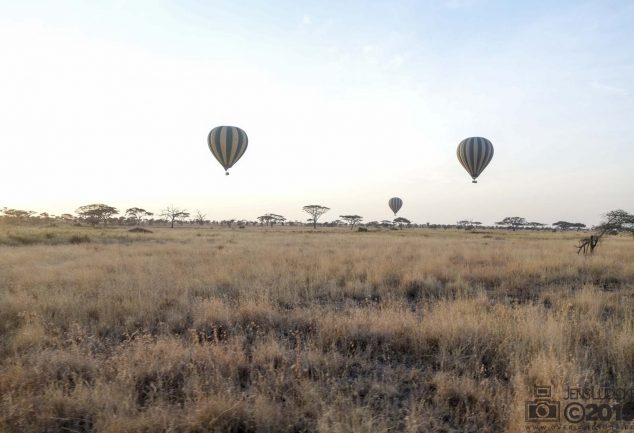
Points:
(101, 214)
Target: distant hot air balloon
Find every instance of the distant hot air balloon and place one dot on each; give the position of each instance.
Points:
(395, 204)
(475, 153)
(228, 144)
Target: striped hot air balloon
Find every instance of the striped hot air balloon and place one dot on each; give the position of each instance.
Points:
(395, 204)
(228, 144)
(475, 153)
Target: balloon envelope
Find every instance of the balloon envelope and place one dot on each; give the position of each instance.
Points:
(227, 144)
(395, 204)
(475, 153)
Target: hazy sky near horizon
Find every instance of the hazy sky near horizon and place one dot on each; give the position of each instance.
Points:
(346, 104)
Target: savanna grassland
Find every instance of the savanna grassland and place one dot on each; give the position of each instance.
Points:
(260, 330)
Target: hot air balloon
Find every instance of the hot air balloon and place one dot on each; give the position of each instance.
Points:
(475, 153)
(395, 204)
(228, 144)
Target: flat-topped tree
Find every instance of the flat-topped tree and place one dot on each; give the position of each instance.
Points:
(96, 213)
(271, 218)
(565, 225)
(265, 219)
(277, 219)
(352, 220)
(400, 221)
(467, 224)
(18, 214)
(137, 214)
(315, 211)
(513, 222)
(463, 223)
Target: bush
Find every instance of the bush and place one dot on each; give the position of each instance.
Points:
(77, 239)
(140, 230)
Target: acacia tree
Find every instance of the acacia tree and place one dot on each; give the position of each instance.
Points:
(565, 225)
(66, 217)
(467, 224)
(265, 219)
(351, 219)
(617, 220)
(513, 222)
(172, 214)
(277, 219)
(315, 211)
(18, 214)
(137, 214)
(96, 213)
(400, 221)
(463, 224)
(271, 218)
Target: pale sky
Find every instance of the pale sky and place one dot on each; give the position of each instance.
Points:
(346, 104)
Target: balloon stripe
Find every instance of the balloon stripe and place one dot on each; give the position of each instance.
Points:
(228, 145)
(489, 155)
(242, 145)
(485, 147)
(219, 147)
(217, 150)
(476, 155)
(461, 148)
(481, 150)
(245, 143)
(459, 153)
(235, 147)
(486, 157)
(223, 145)
(465, 157)
(469, 153)
(474, 162)
(210, 141)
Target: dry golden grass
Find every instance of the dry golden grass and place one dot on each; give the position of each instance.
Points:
(198, 330)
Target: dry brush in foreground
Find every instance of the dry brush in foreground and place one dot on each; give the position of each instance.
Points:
(282, 331)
